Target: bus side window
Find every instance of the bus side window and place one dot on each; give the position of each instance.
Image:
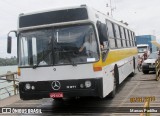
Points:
(102, 31)
(117, 36)
(110, 29)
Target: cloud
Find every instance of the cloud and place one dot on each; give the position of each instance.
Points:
(142, 15)
(9, 12)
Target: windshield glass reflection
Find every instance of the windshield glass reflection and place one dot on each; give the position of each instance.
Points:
(59, 45)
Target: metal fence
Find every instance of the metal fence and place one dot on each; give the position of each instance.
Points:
(8, 84)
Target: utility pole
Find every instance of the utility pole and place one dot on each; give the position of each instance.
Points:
(111, 8)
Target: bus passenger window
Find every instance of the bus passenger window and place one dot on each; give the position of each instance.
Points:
(119, 28)
(125, 37)
(117, 36)
(112, 40)
(117, 31)
(102, 31)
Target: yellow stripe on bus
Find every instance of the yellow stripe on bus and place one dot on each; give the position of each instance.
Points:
(117, 55)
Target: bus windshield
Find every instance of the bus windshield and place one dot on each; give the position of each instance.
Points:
(142, 49)
(58, 46)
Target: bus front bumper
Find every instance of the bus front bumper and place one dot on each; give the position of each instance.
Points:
(69, 88)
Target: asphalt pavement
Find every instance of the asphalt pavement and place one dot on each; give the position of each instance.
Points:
(131, 95)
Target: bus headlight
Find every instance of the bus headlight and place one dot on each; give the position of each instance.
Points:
(28, 86)
(88, 84)
(33, 87)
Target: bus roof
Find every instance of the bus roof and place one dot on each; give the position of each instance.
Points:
(104, 17)
(93, 15)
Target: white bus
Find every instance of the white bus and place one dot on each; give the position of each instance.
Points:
(72, 52)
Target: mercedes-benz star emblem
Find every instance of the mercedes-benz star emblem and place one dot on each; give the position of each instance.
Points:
(56, 85)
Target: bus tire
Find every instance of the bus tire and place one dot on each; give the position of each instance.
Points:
(116, 82)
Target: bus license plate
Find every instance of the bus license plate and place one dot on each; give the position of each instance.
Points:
(56, 95)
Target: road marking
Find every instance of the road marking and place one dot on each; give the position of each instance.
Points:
(127, 97)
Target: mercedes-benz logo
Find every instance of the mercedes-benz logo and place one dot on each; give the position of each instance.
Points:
(56, 85)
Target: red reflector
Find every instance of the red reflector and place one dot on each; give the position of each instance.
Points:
(56, 95)
(19, 72)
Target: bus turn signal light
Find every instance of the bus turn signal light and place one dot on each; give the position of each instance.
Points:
(19, 72)
(97, 69)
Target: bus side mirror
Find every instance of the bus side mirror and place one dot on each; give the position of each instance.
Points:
(9, 41)
(9, 44)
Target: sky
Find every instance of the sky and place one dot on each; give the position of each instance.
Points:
(141, 15)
